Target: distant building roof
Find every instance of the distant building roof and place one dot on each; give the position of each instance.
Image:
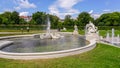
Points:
(62, 20)
(26, 18)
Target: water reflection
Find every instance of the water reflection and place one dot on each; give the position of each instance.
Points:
(31, 45)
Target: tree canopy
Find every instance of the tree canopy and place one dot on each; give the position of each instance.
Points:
(108, 19)
(40, 18)
(68, 21)
(84, 18)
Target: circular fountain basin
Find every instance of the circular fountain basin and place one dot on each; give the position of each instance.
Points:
(36, 48)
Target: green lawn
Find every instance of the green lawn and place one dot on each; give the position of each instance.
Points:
(82, 32)
(101, 32)
(16, 32)
(103, 56)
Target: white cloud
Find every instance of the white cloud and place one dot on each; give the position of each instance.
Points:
(17, 8)
(67, 4)
(24, 4)
(64, 7)
(23, 13)
(91, 11)
(95, 16)
(106, 10)
(7, 9)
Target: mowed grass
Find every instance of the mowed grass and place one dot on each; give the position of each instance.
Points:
(101, 32)
(17, 32)
(82, 32)
(103, 56)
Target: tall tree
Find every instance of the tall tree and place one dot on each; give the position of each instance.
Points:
(109, 19)
(84, 18)
(15, 18)
(68, 21)
(1, 19)
(54, 21)
(6, 17)
(39, 17)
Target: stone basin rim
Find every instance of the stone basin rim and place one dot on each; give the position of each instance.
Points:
(91, 44)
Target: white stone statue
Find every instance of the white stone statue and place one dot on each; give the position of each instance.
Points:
(64, 29)
(75, 30)
(91, 32)
(90, 28)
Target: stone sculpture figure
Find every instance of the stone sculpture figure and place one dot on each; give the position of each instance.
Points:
(91, 32)
(90, 28)
(75, 30)
(75, 27)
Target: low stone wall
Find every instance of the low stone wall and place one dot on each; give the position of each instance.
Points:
(47, 55)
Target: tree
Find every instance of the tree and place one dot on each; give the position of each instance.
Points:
(5, 21)
(84, 18)
(54, 20)
(101, 20)
(15, 17)
(68, 21)
(22, 21)
(10, 18)
(39, 17)
(60, 25)
(109, 19)
(1, 19)
(32, 22)
(6, 17)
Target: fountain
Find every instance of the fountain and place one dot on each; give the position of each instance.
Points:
(48, 26)
(113, 35)
(48, 34)
(118, 38)
(108, 36)
(113, 39)
(44, 45)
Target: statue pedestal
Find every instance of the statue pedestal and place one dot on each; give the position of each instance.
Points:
(92, 36)
(75, 32)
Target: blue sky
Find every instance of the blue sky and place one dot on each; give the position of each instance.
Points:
(60, 7)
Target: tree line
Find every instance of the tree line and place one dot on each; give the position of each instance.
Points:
(40, 18)
(108, 19)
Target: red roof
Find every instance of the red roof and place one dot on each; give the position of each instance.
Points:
(24, 16)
